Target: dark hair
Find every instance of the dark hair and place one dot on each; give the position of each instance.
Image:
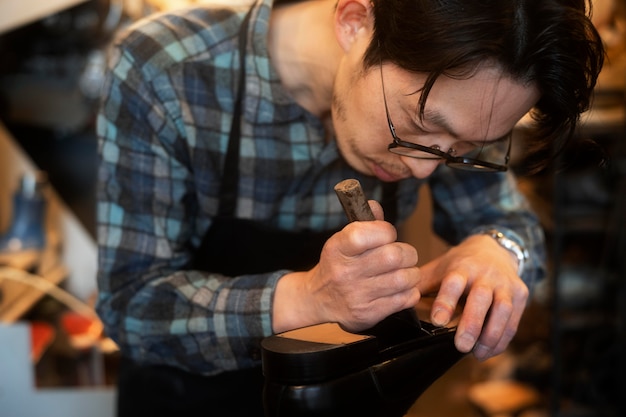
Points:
(549, 42)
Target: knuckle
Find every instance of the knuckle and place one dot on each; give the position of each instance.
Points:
(331, 246)
(399, 300)
(446, 301)
(522, 293)
(482, 293)
(509, 333)
(359, 313)
(490, 339)
(454, 283)
(505, 309)
(474, 328)
(405, 280)
(393, 256)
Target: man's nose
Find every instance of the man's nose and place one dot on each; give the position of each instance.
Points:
(421, 168)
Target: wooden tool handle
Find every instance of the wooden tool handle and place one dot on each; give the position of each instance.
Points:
(353, 200)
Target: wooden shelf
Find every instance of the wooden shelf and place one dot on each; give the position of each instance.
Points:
(19, 297)
(16, 13)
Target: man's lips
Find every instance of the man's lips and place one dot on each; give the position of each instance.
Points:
(385, 175)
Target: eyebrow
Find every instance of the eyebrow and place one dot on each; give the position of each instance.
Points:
(439, 120)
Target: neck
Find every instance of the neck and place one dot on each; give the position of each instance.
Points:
(305, 52)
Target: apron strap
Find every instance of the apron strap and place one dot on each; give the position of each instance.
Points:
(230, 177)
(389, 201)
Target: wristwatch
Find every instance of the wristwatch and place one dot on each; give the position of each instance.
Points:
(515, 248)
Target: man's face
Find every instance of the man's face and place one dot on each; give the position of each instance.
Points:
(460, 114)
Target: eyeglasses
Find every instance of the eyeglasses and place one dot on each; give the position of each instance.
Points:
(483, 158)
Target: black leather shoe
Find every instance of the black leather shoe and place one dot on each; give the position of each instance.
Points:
(324, 371)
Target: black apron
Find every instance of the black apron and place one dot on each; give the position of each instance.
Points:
(231, 246)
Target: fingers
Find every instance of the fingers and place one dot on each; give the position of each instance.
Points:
(383, 281)
(392, 258)
(445, 304)
(364, 275)
(377, 209)
(363, 315)
(359, 237)
(396, 281)
(501, 325)
(490, 320)
(474, 315)
(491, 313)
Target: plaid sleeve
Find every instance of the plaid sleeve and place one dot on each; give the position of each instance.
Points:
(469, 202)
(147, 213)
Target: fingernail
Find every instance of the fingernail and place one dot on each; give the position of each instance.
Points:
(481, 352)
(440, 318)
(466, 343)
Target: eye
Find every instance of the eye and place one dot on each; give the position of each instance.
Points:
(462, 148)
(415, 129)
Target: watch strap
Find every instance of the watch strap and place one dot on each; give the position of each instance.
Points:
(520, 253)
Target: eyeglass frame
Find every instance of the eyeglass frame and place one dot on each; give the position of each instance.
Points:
(451, 160)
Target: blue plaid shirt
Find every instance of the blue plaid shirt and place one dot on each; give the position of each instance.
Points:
(163, 130)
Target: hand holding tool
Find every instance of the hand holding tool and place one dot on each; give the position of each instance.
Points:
(356, 207)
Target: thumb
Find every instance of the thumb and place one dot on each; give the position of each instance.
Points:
(377, 209)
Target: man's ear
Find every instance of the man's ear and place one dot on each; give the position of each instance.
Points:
(352, 18)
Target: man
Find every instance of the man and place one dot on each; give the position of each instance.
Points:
(218, 223)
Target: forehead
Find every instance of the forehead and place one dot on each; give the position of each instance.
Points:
(485, 104)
